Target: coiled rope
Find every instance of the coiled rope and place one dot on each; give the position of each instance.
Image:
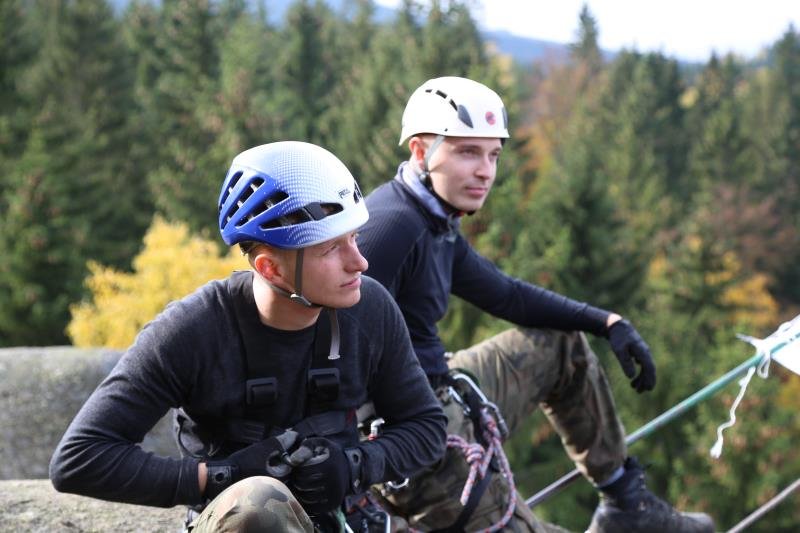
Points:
(479, 459)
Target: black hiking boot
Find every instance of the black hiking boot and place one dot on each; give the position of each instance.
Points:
(627, 506)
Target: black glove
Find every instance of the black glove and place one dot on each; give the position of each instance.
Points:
(323, 474)
(629, 347)
(260, 459)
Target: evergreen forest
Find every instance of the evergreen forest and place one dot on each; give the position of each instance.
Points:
(668, 192)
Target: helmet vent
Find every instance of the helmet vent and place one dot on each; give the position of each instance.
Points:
(231, 184)
(248, 191)
(444, 96)
(309, 213)
(255, 183)
(463, 114)
(276, 197)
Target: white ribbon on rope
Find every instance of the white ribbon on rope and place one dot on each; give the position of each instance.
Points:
(780, 346)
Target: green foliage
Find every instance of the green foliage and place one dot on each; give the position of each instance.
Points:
(185, 72)
(668, 195)
(721, 151)
(40, 267)
(16, 50)
(782, 167)
(581, 246)
(71, 194)
(310, 66)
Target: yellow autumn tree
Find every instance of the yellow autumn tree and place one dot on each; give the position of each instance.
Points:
(172, 264)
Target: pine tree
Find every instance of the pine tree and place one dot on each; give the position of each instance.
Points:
(721, 151)
(308, 68)
(369, 103)
(450, 42)
(641, 131)
(75, 194)
(185, 184)
(359, 20)
(16, 51)
(41, 267)
(576, 242)
(558, 89)
(586, 49)
(784, 139)
(244, 112)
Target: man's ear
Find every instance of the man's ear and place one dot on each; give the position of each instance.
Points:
(267, 265)
(417, 146)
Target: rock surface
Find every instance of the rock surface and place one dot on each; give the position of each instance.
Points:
(41, 389)
(33, 506)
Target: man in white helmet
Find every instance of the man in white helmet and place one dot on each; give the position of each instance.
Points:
(266, 369)
(455, 129)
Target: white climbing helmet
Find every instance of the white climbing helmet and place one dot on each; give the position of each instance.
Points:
(454, 107)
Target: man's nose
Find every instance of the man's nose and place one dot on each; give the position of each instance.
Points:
(487, 168)
(356, 261)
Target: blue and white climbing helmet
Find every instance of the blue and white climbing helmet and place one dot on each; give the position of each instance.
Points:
(289, 195)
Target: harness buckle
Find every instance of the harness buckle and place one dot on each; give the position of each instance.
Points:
(323, 384)
(261, 391)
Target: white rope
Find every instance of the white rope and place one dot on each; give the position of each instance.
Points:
(784, 335)
(716, 450)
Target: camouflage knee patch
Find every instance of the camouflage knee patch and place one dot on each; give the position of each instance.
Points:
(254, 504)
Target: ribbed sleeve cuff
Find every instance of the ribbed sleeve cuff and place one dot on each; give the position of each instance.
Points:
(373, 466)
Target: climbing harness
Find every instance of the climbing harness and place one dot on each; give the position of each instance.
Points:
(484, 456)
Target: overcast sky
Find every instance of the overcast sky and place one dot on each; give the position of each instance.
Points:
(687, 29)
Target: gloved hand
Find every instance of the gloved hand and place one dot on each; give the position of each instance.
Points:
(630, 349)
(321, 476)
(260, 459)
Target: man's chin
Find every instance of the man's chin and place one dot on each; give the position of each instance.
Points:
(343, 302)
(470, 207)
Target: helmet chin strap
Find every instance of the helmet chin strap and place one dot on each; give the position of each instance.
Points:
(425, 178)
(298, 297)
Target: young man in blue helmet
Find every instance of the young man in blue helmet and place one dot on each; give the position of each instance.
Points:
(265, 368)
(455, 129)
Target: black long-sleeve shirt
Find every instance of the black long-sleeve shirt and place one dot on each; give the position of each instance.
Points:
(191, 356)
(421, 258)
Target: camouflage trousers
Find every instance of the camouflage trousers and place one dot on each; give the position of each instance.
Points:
(519, 370)
(253, 504)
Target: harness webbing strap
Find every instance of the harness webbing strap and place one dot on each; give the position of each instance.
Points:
(469, 507)
(322, 388)
(263, 388)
